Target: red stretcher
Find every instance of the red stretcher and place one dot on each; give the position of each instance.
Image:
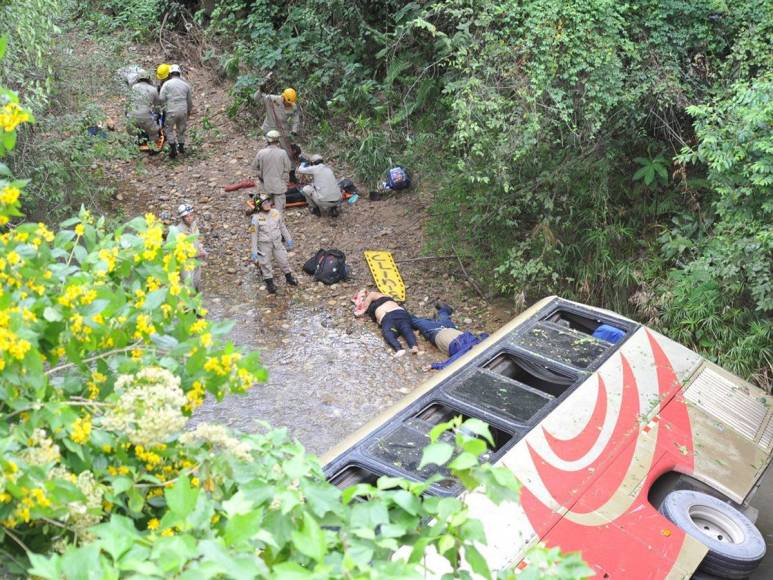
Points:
(294, 196)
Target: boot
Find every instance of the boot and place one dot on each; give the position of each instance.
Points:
(334, 211)
(444, 306)
(291, 279)
(270, 287)
(315, 211)
(181, 148)
(172, 150)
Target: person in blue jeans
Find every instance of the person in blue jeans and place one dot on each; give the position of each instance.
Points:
(442, 332)
(393, 319)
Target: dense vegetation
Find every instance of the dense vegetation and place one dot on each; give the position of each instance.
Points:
(618, 153)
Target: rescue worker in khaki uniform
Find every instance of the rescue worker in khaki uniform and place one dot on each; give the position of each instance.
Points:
(268, 232)
(189, 227)
(324, 192)
(281, 110)
(272, 170)
(177, 101)
(143, 101)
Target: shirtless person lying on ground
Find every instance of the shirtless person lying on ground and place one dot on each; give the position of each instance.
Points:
(393, 319)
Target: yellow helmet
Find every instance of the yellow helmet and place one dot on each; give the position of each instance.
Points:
(290, 95)
(162, 72)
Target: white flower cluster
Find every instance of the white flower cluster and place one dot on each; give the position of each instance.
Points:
(88, 513)
(149, 407)
(41, 450)
(218, 436)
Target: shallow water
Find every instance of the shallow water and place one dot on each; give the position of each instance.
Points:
(326, 378)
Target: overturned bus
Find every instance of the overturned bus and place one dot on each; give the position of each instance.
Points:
(631, 448)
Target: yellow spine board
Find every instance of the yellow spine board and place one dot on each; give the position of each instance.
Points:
(385, 273)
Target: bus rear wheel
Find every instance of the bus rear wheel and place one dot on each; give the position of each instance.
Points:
(736, 546)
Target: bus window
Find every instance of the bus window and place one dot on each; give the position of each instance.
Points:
(500, 396)
(438, 413)
(564, 344)
(403, 446)
(352, 475)
(530, 373)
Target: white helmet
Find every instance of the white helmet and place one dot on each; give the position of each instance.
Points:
(142, 75)
(316, 158)
(175, 68)
(184, 210)
(273, 136)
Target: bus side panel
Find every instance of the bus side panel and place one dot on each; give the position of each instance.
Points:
(631, 446)
(627, 537)
(724, 459)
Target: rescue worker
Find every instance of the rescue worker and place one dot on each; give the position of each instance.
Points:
(324, 192)
(189, 227)
(177, 102)
(281, 110)
(272, 170)
(162, 75)
(268, 232)
(143, 101)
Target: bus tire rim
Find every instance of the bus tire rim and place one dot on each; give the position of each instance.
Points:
(716, 524)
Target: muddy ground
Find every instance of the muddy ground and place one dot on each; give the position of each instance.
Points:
(328, 372)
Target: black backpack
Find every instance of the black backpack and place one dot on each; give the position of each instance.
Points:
(327, 266)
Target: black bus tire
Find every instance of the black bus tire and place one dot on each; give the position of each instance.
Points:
(736, 546)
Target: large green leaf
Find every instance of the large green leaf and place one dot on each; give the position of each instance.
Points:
(310, 539)
(181, 497)
(436, 453)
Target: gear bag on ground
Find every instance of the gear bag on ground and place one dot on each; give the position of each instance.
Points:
(327, 266)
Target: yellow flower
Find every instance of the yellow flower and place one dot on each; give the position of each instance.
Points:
(107, 448)
(9, 194)
(79, 230)
(88, 297)
(5, 497)
(12, 115)
(206, 340)
(168, 532)
(40, 497)
(44, 232)
(81, 429)
(195, 482)
(153, 524)
(13, 258)
(198, 326)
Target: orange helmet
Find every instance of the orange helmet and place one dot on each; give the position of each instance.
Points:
(289, 95)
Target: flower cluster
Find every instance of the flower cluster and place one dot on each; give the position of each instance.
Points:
(217, 436)
(12, 115)
(87, 513)
(149, 406)
(41, 449)
(81, 430)
(195, 396)
(222, 365)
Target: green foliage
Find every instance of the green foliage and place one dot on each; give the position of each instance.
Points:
(139, 19)
(29, 27)
(652, 171)
(722, 294)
